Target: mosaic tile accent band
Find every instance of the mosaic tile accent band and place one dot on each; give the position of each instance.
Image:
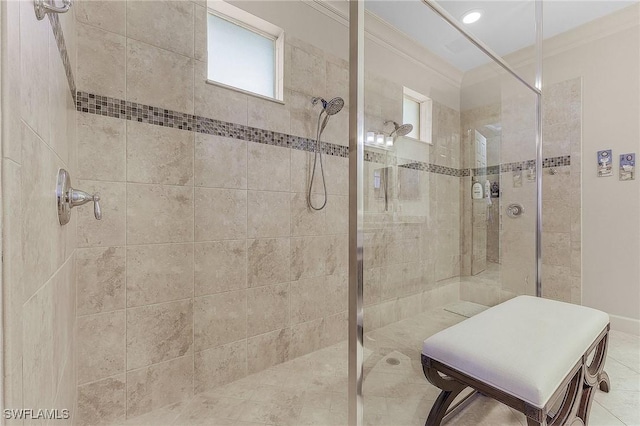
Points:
(522, 165)
(118, 108)
(62, 48)
(434, 168)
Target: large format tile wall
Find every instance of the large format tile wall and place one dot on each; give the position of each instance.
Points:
(562, 192)
(480, 242)
(411, 241)
(39, 255)
(208, 265)
(562, 138)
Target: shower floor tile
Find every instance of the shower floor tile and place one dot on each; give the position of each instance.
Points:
(312, 389)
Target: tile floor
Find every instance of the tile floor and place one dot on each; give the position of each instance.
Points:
(311, 390)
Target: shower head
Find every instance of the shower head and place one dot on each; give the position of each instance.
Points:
(332, 107)
(400, 129)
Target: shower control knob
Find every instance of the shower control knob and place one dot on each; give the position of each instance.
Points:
(68, 198)
(515, 210)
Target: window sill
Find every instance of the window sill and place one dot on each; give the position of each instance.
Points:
(245, 92)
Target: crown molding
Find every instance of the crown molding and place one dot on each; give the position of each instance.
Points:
(386, 35)
(606, 26)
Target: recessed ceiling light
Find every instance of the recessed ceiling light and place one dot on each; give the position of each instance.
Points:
(471, 16)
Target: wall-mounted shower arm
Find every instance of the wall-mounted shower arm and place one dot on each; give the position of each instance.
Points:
(42, 8)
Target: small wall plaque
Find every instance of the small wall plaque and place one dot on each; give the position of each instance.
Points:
(605, 163)
(628, 166)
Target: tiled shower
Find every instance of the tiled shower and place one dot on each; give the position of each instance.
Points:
(208, 267)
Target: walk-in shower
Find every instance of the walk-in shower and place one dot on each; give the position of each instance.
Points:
(215, 289)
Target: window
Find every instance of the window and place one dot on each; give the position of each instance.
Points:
(244, 51)
(417, 110)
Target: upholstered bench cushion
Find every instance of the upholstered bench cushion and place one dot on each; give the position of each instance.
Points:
(525, 346)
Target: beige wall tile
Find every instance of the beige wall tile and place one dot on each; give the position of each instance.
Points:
(40, 226)
(101, 279)
(34, 64)
(159, 385)
(110, 231)
(304, 220)
(267, 309)
(556, 248)
(37, 368)
(219, 319)
(268, 349)
(101, 346)
(220, 214)
(159, 273)
(268, 214)
(336, 328)
(165, 24)
(306, 337)
(200, 29)
(102, 403)
(269, 115)
(268, 261)
(107, 15)
(159, 332)
(220, 266)
(101, 62)
(337, 254)
(308, 71)
(268, 167)
(64, 322)
(303, 115)
(308, 257)
(158, 154)
(558, 282)
(159, 214)
(101, 148)
(308, 299)
(218, 102)
(12, 276)
(337, 215)
(219, 366)
(62, 108)
(147, 68)
(220, 162)
(337, 174)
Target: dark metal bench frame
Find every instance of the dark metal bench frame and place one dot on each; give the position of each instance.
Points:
(576, 390)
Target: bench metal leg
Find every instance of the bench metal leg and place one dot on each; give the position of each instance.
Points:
(451, 388)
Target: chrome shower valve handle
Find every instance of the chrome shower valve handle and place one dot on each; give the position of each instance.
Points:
(69, 198)
(78, 198)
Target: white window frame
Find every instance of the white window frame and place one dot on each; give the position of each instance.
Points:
(426, 113)
(259, 26)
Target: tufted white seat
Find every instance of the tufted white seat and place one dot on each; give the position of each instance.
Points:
(524, 347)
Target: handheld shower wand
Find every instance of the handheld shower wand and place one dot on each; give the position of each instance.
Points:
(329, 108)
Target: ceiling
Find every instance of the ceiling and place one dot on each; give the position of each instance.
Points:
(506, 25)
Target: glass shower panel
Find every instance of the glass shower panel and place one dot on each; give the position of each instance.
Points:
(435, 254)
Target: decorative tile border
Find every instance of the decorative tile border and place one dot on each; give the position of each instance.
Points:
(62, 48)
(118, 108)
(434, 168)
(522, 165)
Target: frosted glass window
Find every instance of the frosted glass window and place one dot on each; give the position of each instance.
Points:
(411, 115)
(241, 58)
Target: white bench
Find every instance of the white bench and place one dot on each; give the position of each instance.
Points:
(528, 353)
